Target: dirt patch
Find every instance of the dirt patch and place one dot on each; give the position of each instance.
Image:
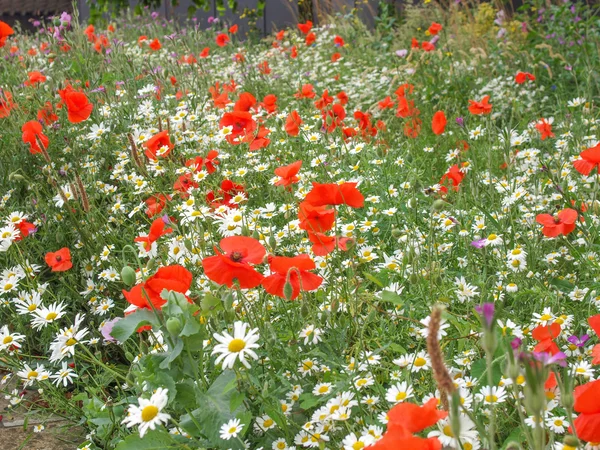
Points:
(54, 437)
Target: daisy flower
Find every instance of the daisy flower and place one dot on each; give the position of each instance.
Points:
(238, 346)
(147, 414)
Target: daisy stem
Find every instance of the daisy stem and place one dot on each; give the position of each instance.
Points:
(490, 379)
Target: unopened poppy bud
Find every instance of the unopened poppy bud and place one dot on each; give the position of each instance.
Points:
(288, 290)
(567, 400)
(304, 310)
(512, 370)
(272, 242)
(15, 177)
(228, 301)
(129, 356)
(413, 279)
(534, 401)
(245, 231)
(174, 326)
(151, 265)
(439, 205)
(396, 233)
(128, 276)
(188, 245)
(570, 443)
(411, 203)
(255, 235)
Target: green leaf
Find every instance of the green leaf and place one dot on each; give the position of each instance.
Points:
(392, 297)
(478, 369)
(216, 411)
(517, 436)
(562, 285)
(307, 400)
(373, 279)
(125, 327)
(186, 394)
(171, 354)
(153, 440)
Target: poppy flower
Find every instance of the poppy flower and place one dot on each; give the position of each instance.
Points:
(386, 103)
(172, 278)
(78, 106)
(587, 405)
(6, 103)
(522, 77)
(35, 78)
(264, 68)
(438, 123)
(241, 122)
(594, 322)
(156, 204)
(222, 40)
(323, 245)
(336, 57)
(226, 194)
(155, 44)
(315, 218)
(258, 141)
(157, 229)
(325, 100)
(5, 31)
(210, 161)
(545, 335)
(269, 103)
(563, 223)
(590, 160)
(434, 28)
(427, 46)
(335, 194)
(233, 29)
(293, 52)
(288, 174)
(338, 41)
(32, 135)
(310, 39)
(455, 176)
(205, 52)
(155, 146)
(545, 129)
(482, 107)
(59, 261)
(245, 102)
(46, 114)
(306, 91)
(184, 183)
(294, 271)
(235, 263)
(305, 27)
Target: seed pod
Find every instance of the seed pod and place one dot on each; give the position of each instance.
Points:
(128, 276)
(174, 326)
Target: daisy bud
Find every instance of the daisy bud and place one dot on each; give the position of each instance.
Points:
(174, 326)
(128, 276)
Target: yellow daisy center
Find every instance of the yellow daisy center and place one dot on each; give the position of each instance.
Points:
(236, 345)
(149, 412)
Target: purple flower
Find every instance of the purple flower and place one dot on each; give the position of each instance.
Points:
(480, 243)
(487, 313)
(460, 121)
(36, 23)
(107, 329)
(434, 40)
(546, 358)
(154, 14)
(402, 53)
(516, 343)
(578, 341)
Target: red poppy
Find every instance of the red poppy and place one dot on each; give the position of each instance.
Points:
(222, 40)
(288, 174)
(406, 107)
(228, 191)
(293, 52)
(269, 103)
(245, 102)
(455, 176)
(522, 77)
(209, 162)
(590, 160)
(219, 99)
(310, 39)
(564, 223)
(438, 123)
(35, 78)
(336, 57)
(305, 27)
(172, 278)
(239, 253)
(280, 34)
(32, 135)
(315, 218)
(434, 28)
(156, 204)
(338, 41)
(155, 45)
(427, 46)
(60, 260)
(6, 103)
(157, 229)
(545, 129)
(307, 91)
(294, 271)
(5, 31)
(333, 117)
(482, 107)
(325, 100)
(46, 114)
(258, 141)
(264, 68)
(156, 143)
(414, 43)
(386, 103)
(335, 194)
(587, 405)
(78, 106)
(233, 29)
(323, 245)
(241, 123)
(292, 123)
(545, 335)
(205, 52)
(184, 183)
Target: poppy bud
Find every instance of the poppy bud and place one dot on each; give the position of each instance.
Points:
(129, 356)
(245, 231)
(151, 265)
(228, 301)
(439, 205)
(512, 370)
(128, 276)
(570, 442)
(396, 233)
(188, 245)
(534, 400)
(288, 290)
(413, 279)
(272, 242)
(174, 326)
(411, 203)
(567, 399)
(15, 177)
(304, 310)
(255, 235)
